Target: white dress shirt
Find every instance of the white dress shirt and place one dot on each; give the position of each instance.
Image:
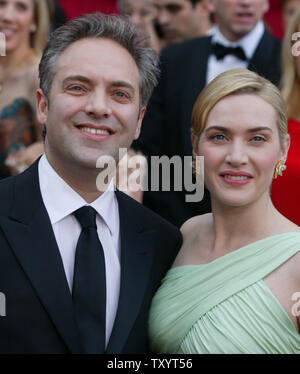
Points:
(61, 201)
(249, 44)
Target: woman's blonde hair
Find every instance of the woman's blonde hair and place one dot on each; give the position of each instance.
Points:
(236, 82)
(41, 18)
(290, 82)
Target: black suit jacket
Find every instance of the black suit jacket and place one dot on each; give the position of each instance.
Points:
(166, 126)
(39, 313)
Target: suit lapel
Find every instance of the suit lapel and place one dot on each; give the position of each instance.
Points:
(199, 65)
(30, 235)
(136, 259)
(262, 56)
(195, 80)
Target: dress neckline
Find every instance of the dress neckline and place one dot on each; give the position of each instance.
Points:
(234, 252)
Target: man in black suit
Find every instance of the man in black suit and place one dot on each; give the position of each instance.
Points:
(186, 68)
(79, 265)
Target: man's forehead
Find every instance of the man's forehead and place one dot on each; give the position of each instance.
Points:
(169, 3)
(89, 48)
(138, 2)
(97, 56)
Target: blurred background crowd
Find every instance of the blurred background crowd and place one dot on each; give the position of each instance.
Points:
(196, 40)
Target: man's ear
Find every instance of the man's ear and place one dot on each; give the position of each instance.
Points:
(266, 6)
(139, 123)
(210, 5)
(201, 9)
(41, 107)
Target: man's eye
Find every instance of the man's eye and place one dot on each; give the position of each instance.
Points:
(75, 88)
(174, 8)
(144, 13)
(122, 95)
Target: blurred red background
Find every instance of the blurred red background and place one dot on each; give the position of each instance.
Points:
(75, 8)
(273, 18)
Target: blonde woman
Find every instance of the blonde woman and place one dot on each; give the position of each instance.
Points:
(286, 189)
(25, 25)
(234, 284)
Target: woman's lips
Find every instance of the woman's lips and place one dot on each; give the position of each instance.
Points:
(234, 178)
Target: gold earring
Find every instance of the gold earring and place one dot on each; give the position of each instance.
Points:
(279, 168)
(196, 166)
(33, 28)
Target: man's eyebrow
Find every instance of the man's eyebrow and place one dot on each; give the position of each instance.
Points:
(225, 129)
(123, 84)
(84, 79)
(81, 78)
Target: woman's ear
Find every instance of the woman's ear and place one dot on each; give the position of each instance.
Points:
(285, 147)
(194, 139)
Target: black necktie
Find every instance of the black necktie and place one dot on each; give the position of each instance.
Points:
(89, 283)
(221, 51)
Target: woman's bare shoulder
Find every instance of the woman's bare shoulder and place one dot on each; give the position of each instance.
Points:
(194, 224)
(193, 229)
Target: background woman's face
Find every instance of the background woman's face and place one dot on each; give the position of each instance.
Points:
(297, 57)
(16, 22)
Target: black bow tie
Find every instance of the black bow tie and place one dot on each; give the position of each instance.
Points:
(221, 51)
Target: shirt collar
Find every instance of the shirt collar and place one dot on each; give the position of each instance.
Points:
(248, 42)
(61, 200)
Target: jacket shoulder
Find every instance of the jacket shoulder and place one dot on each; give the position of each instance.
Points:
(184, 49)
(146, 216)
(6, 193)
(271, 41)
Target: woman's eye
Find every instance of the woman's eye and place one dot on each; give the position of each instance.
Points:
(258, 138)
(22, 6)
(218, 137)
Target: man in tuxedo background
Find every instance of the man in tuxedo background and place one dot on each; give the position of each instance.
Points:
(79, 266)
(239, 39)
(181, 20)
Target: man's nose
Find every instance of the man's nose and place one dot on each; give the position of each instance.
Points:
(237, 154)
(163, 17)
(137, 19)
(245, 2)
(98, 104)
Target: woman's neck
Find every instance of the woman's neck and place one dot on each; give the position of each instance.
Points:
(235, 227)
(16, 58)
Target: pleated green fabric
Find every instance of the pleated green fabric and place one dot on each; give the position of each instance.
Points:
(225, 306)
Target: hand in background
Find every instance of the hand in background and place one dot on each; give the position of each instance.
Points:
(130, 179)
(20, 160)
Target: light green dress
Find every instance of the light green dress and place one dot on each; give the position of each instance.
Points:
(225, 306)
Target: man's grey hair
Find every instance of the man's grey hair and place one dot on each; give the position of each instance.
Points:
(121, 3)
(98, 25)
